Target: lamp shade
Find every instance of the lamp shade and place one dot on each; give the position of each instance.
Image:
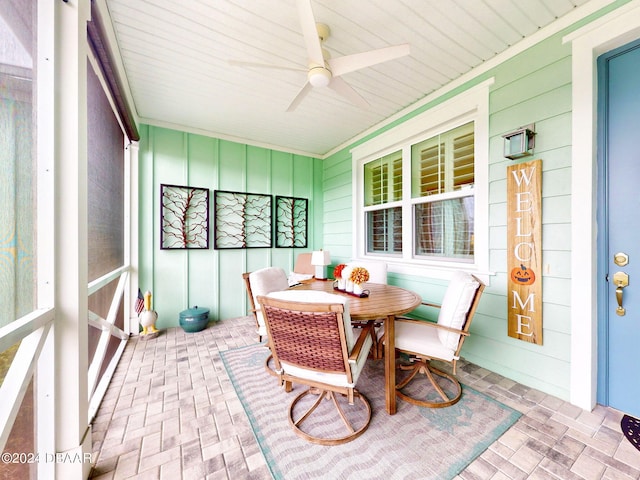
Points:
(320, 259)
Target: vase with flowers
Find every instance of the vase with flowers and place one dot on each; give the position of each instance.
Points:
(346, 274)
(337, 274)
(358, 276)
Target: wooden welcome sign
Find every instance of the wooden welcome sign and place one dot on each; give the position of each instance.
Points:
(524, 251)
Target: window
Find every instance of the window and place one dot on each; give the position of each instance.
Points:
(420, 200)
(442, 174)
(383, 190)
(442, 197)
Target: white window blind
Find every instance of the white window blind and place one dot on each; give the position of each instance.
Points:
(383, 180)
(443, 163)
(463, 160)
(383, 187)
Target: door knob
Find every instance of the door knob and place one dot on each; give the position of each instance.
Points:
(620, 280)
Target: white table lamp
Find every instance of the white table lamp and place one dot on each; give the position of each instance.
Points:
(320, 259)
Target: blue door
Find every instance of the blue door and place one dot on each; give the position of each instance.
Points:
(619, 229)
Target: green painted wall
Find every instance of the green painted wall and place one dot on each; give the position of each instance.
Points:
(211, 278)
(534, 87)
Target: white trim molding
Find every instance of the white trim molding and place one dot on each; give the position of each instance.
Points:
(610, 31)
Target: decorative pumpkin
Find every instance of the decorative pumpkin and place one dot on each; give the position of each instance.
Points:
(523, 275)
(359, 275)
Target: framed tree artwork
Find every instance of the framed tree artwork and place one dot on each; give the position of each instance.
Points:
(184, 217)
(291, 222)
(242, 220)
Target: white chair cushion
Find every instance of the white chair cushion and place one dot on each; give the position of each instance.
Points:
(264, 281)
(416, 337)
(455, 306)
(337, 379)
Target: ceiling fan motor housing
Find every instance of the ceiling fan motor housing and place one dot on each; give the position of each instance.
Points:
(319, 76)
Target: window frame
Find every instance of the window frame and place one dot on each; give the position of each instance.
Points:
(391, 202)
(448, 192)
(469, 106)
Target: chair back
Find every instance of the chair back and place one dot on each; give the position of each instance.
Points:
(262, 282)
(377, 270)
(303, 264)
(310, 335)
(458, 307)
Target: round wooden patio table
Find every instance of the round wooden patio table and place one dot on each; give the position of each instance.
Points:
(384, 301)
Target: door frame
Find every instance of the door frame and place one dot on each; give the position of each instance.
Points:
(611, 31)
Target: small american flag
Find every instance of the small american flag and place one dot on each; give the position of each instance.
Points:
(139, 302)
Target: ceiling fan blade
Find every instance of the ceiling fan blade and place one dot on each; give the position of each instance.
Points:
(240, 63)
(347, 91)
(310, 32)
(301, 94)
(350, 63)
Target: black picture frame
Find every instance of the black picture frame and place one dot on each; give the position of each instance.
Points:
(242, 220)
(184, 217)
(292, 226)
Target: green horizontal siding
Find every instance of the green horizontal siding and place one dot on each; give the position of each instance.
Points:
(533, 87)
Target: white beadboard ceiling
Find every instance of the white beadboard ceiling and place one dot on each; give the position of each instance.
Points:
(175, 60)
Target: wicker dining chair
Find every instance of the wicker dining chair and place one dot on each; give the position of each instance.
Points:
(313, 344)
(303, 264)
(261, 282)
(424, 341)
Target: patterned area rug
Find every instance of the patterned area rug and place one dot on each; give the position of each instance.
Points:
(631, 429)
(415, 443)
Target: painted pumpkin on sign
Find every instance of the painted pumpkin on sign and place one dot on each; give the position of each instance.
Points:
(523, 275)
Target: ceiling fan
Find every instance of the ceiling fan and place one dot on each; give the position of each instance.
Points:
(324, 71)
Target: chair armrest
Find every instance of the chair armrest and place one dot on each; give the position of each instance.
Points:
(434, 305)
(434, 325)
(365, 331)
(416, 320)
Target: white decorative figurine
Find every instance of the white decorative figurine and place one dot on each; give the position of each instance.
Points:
(148, 318)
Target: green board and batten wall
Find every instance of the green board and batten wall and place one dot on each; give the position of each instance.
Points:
(211, 278)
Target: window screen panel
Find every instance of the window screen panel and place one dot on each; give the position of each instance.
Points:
(18, 160)
(105, 182)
